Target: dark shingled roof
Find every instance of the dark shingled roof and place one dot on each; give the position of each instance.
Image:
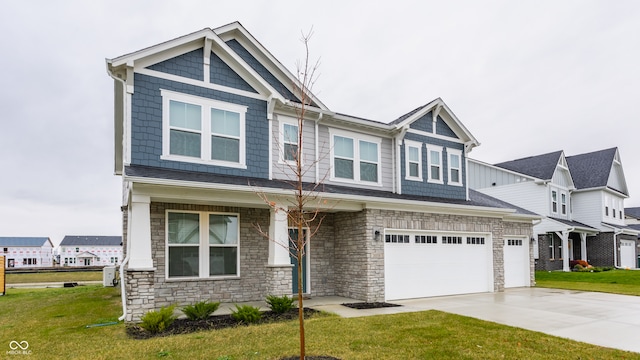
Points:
(574, 223)
(76, 240)
(22, 241)
(635, 227)
(539, 166)
(476, 198)
(633, 212)
(591, 169)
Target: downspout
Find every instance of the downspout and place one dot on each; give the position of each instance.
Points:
(616, 232)
(123, 290)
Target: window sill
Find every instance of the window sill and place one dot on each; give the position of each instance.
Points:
(192, 279)
(413, 178)
(355, 182)
(201, 161)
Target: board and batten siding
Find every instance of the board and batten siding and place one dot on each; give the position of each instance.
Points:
(482, 176)
(561, 179)
(282, 170)
(386, 161)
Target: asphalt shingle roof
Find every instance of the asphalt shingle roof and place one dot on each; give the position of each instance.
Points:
(539, 166)
(633, 212)
(22, 241)
(73, 240)
(476, 198)
(591, 169)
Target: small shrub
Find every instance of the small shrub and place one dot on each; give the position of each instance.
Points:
(578, 267)
(200, 310)
(246, 314)
(582, 263)
(280, 304)
(158, 321)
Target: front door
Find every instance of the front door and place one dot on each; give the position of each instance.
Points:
(293, 237)
(87, 262)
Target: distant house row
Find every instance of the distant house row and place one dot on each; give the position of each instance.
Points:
(74, 250)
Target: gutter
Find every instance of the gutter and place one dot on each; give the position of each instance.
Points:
(123, 290)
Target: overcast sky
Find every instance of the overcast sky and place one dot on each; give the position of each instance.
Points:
(525, 77)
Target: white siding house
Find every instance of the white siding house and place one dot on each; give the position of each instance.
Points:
(90, 250)
(27, 252)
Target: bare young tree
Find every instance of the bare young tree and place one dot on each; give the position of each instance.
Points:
(304, 204)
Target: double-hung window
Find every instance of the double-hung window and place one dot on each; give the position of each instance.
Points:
(554, 201)
(355, 158)
(202, 245)
(202, 130)
(413, 160)
(289, 139)
(434, 164)
(455, 167)
(563, 203)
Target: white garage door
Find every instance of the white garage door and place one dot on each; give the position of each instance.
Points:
(423, 264)
(627, 254)
(517, 268)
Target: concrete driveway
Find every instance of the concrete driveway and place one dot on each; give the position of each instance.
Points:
(602, 319)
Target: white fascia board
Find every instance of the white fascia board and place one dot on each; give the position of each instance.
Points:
(535, 179)
(605, 189)
(255, 48)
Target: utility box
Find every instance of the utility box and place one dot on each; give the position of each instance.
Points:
(109, 276)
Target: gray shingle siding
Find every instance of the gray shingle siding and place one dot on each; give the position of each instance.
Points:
(424, 188)
(146, 128)
(425, 123)
(220, 73)
(443, 129)
(261, 70)
(189, 65)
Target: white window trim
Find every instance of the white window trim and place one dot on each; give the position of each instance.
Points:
(429, 175)
(203, 247)
(413, 144)
(205, 131)
(556, 201)
(288, 121)
(356, 157)
(458, 153)
(563, 204)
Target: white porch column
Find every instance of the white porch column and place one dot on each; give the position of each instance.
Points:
(565, 251)
(139, 234)
(583, 246)
(279, 237)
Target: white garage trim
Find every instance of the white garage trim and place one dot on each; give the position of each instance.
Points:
(517, 266)
(423, 263)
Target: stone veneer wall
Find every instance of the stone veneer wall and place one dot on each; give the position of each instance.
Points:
(322, 257)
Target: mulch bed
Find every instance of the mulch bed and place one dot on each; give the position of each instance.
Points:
(369, 305)
(186, 326)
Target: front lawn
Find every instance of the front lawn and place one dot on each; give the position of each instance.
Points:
(625, 282)
(60, 276)
(54, 323)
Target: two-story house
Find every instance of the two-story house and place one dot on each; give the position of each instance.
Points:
(205, 125)
(82, 250)
(581, 198)
(27, 252)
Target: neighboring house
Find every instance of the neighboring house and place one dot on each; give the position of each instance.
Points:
(632, 220)
(77, 250)
(27, 252)
(581, 198)
(204, 124)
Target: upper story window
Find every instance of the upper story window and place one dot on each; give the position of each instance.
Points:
(413, 160)
(434, 164)
(554, 201)
(455, 167)
(355, 158)
(289, 141)
(563, 203)
(202, 245)
(203, 130)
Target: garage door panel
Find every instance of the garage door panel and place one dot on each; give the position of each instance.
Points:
(627, 254)
(414, 270)
(517, 268)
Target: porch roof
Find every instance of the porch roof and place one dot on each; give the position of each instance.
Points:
(476, 199)
(86, 254)
(580, 227)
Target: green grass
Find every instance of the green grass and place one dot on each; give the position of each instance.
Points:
(625, 282)
(54, 321)
(54, 277)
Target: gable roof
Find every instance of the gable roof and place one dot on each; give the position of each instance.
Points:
(78, 240)
(592, 170)
(441, 109)
(24, 241)
(539, 166)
